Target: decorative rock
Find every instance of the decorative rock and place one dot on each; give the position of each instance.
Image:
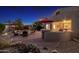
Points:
(4, 34)
(54, 51)
(4, 51)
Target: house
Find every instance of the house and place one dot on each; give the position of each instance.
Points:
(9, 27)
(65, 25)
(46, 22)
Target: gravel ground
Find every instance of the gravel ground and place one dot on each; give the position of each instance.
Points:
(35, 38)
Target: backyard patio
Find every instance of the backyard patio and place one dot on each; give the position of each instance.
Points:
(36, 39)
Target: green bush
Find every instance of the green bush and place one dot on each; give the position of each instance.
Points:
(2, 27)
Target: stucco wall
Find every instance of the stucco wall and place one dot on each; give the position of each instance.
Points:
(57, 36)
(68, 12)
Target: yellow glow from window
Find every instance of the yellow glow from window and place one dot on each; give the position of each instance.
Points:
(67, 25)
(48, 26)
(54, 26)
(64, 25)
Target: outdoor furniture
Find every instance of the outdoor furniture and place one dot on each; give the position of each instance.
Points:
(25, 33)
(20, 33)
(15, 34)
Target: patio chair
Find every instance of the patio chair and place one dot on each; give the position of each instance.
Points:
(25, 33)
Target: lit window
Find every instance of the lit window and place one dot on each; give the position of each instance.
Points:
(62, 25)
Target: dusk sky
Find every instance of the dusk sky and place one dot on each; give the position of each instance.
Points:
(28, 14)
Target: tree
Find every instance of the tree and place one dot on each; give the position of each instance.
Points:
(18, 23)
(37, 26)
(2, 27)
(26, 27)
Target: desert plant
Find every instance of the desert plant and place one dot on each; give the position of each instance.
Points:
(21, 47)
(2, 27)
(32, 48)
(4, 43)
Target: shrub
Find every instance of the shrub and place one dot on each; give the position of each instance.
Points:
(4, 43)
(32, 48)
(2, 27)
(20, 47)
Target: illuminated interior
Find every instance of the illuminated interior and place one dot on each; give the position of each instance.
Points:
(48, 26)
(64, 25)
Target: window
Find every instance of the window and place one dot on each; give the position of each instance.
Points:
(64, 25)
